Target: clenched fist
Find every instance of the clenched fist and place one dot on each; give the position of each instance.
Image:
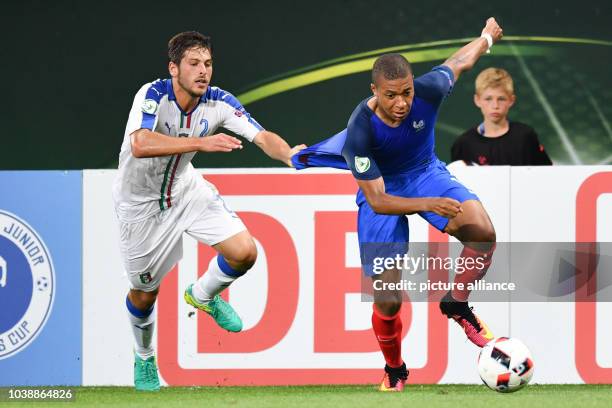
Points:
(493, 29)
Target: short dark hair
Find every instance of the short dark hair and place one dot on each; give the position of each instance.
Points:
(391, 66)
(184, 41)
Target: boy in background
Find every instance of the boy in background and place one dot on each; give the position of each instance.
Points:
(497, 141)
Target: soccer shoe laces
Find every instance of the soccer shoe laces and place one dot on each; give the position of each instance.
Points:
(150, 371)
(453, 308)
(466, 312)
(217, 308)
(145, 374)
(224, 314)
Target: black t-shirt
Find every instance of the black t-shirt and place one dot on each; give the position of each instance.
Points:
(517, 147)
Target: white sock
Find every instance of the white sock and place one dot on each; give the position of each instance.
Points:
(143, 323)
(213, 281)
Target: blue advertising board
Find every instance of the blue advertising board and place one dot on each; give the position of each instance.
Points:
(40, 277)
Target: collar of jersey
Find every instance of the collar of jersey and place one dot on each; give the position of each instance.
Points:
(491, 139)
(172, 97)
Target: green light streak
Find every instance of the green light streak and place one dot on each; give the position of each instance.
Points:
(362, 62)
(361, 65)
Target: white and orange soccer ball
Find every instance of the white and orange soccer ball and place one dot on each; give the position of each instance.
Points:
(505, 364)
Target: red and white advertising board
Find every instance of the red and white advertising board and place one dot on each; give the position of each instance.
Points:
(305, 321)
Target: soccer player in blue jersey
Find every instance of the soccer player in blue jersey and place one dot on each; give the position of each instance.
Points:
(389, 147)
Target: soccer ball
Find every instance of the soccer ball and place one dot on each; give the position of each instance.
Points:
(505, 364)
(42, 283)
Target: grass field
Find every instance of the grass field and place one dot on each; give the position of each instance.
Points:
(431, 396)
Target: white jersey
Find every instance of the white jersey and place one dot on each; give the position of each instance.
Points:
(146, 186)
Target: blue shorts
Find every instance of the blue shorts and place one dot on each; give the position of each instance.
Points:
(387, 235)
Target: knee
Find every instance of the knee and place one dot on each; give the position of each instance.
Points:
(483, 236)
(244, 257)
(483, 241)
(143, 300)
(389, 307)
(488, 235)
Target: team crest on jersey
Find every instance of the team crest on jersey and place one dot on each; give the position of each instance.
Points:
(362, 164)
(149, 106)
(27, 284)
(420, 125)
(146, 277)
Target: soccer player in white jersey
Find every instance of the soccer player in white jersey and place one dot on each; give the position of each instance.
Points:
(158, 194)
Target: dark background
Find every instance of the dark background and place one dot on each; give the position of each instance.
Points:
(70, 69)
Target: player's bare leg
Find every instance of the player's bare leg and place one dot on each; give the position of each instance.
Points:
(387, 326)
(474, 229)
(237, 255)
(473, 226)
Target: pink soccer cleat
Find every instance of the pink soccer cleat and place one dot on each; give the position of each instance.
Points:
(475, 330)
(394, 379)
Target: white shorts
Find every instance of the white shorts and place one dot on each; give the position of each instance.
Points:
(151, 247)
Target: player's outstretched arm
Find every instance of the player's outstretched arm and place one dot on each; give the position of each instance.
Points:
(464, 59)
(275, 146)
(146, 143)
(383, 203)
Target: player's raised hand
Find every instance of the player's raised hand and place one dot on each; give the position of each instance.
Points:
(293, 151)
(493, 29)
(446, 207)
(220, 143)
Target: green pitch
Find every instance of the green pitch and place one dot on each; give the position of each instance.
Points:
(431, 396)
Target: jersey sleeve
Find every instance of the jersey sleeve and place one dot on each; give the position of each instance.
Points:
(237, 119)
(357, 150)
(145, 108)
(435, 85)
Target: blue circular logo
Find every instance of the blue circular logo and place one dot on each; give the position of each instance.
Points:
(26, 284)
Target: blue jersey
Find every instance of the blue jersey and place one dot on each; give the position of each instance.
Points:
(403, 156)
(374, 149)
(371, 149)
